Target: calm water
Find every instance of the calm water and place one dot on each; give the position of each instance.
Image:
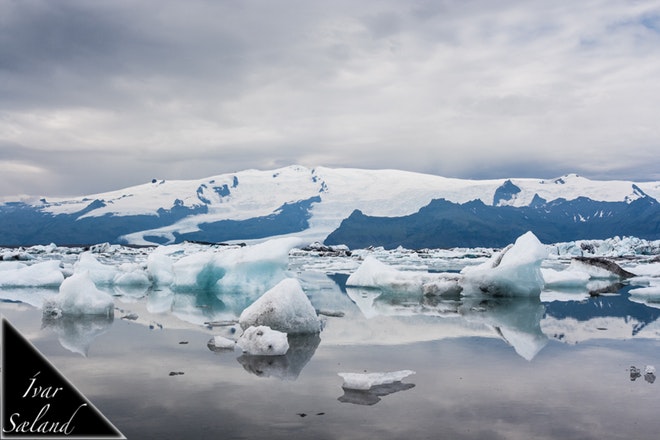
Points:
(495, 369)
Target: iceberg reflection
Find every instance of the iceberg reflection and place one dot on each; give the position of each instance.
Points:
(77, 333)
(287, 367)
(372, 395)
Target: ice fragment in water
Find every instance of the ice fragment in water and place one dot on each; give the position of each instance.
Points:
(263, 341)
(219, 342)
(365, 381)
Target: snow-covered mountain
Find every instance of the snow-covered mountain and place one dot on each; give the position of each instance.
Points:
(312, 203)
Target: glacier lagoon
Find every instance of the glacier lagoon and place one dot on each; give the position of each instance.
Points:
(558, 364)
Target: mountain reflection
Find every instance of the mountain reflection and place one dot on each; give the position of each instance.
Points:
(527, 323)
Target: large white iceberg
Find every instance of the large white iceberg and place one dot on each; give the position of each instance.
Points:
(285, 307)
(516, 271)
(79, 296)
(248, 270)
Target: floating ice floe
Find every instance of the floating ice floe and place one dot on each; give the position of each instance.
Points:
(515, 271)
(565, 278)
(248, 270)
(365, 381)
(263, 341)
(374, 273)
(650, 292)
(79, 296)
(219, 342)
(285, 307)
(43, 274)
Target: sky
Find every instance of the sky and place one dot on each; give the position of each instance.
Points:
(101, 95)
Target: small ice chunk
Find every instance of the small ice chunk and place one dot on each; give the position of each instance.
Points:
(263, 341)
(565, 278)
(285, 307)
(365, 381)
(649, 369)
(219, 342)
(374, 273)
(79, 296)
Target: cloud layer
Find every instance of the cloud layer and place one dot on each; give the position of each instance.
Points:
(105, 94)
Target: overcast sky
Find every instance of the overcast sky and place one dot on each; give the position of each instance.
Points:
(100, 95)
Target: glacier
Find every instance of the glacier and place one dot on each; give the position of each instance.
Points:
(313, 203)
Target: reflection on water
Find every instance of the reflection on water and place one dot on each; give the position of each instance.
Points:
(469, 384)
(516, 320)
(288, 366)
(372, 395)
(77, 333)
(525, 323)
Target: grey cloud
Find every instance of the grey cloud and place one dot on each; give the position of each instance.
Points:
(185, 90)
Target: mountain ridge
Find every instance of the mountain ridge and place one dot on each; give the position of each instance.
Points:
(256, 204)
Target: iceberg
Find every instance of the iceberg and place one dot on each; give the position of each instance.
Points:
(160, 269)
(79, 296)
(101, 274)
(286, 367)
(43, 274)
(285, 307)
(246, 270)
(649, 292)
(263, 341)
(374, 273)
(515, 271)
(365, 381)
